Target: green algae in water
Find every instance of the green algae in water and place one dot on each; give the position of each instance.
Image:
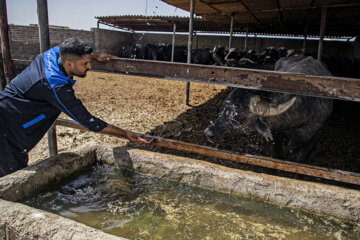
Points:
(138, 206)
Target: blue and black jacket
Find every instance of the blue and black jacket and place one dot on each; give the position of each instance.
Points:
(33, 100)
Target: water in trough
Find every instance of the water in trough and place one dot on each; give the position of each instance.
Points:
(138, 206)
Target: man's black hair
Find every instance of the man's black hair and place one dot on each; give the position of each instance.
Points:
(75, 46)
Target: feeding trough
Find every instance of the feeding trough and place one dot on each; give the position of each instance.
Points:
(235, 192)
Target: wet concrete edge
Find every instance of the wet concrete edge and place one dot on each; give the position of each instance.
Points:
(19, 221)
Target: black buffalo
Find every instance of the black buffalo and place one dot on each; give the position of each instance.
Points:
(202, 56)
(276, 116)
(219, 54)
(165, 51)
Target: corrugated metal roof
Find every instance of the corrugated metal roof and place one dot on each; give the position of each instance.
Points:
(159, 23)
(285, 17)
(279, 16)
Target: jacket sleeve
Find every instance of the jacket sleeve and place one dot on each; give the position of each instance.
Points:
(63, 98)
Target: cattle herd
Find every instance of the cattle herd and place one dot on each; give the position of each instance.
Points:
(271, 115)
(219, 56)
(222, 56)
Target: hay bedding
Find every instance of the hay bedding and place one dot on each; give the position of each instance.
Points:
(157, 107)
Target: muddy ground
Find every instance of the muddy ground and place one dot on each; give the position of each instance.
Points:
(157, 107)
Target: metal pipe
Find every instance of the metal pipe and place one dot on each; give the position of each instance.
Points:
(294, 167)
(322, 32)
(5, 45)
(45, 45)
(173, 43)
(246, 38)
(191, 29)
(43, 25)
(231, 30)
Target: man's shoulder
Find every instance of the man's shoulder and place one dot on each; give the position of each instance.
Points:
(30, 75)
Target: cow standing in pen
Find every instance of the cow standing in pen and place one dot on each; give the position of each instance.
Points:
(274, 115)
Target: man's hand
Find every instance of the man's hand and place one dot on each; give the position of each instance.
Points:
(102, 57)
(132, 137)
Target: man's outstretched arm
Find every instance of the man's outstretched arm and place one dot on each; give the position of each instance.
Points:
(132, 137)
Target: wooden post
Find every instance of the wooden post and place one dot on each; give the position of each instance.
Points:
(191, 29)
(45, 45)
(322, 32)
(5, 45)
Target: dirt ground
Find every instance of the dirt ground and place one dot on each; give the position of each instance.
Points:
(135, 103)
(157, 107)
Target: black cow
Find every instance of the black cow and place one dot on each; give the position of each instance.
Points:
(343, 66)
(138, 51)
(127, 50)
(202, 56)
(269, 55)
(165, 50)
(151, 52)
(219, 54)
(275, 115)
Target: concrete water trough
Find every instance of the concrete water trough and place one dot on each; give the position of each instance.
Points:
(19, 221)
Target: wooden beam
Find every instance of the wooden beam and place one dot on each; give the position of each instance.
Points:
(321, 86)
(294, 167)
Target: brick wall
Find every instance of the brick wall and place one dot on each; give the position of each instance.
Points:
(24, 40)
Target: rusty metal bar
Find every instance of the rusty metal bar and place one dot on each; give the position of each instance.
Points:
(305, 169)
(5, 44)
(246, 38)
(231, 30)
(322, 86)
(43, 19)
(173, 43)
(306, 33)
(322, 32)
(191, 29)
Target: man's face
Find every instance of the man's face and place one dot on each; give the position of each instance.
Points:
(80, 66)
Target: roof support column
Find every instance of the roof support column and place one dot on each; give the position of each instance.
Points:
(305, 34)
(5, 45)
(173, 43)
(231, 30)
(322, 32)
(191, 29)
(246, 38)
(44, 37)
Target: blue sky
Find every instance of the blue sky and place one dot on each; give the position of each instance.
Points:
(80, 14)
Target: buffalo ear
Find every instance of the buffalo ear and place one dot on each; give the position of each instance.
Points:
(263, 129)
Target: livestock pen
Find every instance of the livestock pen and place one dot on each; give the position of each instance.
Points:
(143, 99)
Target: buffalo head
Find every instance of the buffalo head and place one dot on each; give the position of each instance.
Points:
(244, 111)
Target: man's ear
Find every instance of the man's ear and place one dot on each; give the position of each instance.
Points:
(68, 64)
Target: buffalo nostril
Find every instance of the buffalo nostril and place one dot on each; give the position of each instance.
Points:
(209, 133)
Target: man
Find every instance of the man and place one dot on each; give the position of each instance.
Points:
(33, 100)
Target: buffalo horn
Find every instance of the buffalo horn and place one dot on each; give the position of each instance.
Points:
(263, 108)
